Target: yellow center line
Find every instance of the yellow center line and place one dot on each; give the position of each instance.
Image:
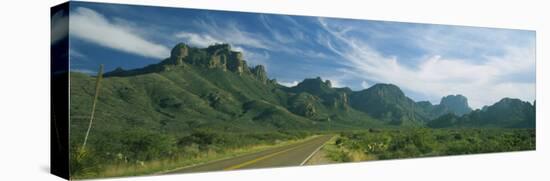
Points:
(260, 159)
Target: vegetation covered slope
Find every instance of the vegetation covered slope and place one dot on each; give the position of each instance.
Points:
(213, 88)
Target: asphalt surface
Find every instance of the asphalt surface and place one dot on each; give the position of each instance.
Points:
(288, 155)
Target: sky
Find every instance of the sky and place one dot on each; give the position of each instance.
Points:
(426, 61)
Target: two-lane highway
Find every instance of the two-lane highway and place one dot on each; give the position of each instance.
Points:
(289, 155)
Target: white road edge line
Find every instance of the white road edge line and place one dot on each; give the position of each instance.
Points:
(313, 153)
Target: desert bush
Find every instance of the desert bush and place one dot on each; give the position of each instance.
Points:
(420, 142)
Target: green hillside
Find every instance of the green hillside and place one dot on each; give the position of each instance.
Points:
(388, 103)
(214, 88)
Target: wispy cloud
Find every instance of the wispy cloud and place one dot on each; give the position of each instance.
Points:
(74, 53)
(229, 32)
(336, 83)
(210, 31)
(288, 84)
(85, 71)
(93, 27)
(277, 36)
(253, 57)
(257, 57)
(200, 40)
(437, 75)
(365, 84)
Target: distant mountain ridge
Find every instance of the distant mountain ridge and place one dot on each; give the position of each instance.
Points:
(506, 113)
(454, 104)
(214, 87)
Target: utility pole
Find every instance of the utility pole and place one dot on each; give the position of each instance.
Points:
(97, 86)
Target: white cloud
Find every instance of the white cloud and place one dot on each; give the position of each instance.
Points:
(230, 33)
(238, 49)
(253, 57)
(200, 40)
(85, 71)
(437, 76)
(93, 27)
(277, 36)
(256, 58)
(288, 84)
(365, 84)
(466, 41)
(74, 53)
(336, 83)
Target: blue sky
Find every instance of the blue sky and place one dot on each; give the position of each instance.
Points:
(426, 61)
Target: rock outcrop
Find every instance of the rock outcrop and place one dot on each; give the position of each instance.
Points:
(260, 73)
(179, 53)
(457, 104)
(236, 63)
(304, 104)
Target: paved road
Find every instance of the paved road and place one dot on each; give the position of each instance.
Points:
(289, 155)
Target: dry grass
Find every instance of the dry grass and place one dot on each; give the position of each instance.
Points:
(165, 165)
(337, 153)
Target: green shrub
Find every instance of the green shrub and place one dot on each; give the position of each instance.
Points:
(420, 142)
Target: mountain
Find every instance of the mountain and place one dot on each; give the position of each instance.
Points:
(506, 113)
(451, 104)
(388, 103)
(208, 88)
(214, 88)
(457, 104)
(318, 100)
(333, 98)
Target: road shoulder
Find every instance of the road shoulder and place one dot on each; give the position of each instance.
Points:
(320, 156)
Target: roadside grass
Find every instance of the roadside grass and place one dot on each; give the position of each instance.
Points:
(163, 166)
(336, 152)
(412, 143)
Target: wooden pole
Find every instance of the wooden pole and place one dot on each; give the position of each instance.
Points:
(97, 86)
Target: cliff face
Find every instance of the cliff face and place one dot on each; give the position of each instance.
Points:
(260, 73)
(457, 104)
(386, 102)
(217, 56)
(178, 53)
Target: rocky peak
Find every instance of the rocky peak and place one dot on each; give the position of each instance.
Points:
(457, 104)
(426, 104)
(328, 83)
(260, 73)
(214, 56)
(338, 100)
(178, 53)
(304, 104)
(235, 63)
(314, 85)
(217, 56)
(384, 90)
(386, 102)
(219, 48)
(509, 103)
